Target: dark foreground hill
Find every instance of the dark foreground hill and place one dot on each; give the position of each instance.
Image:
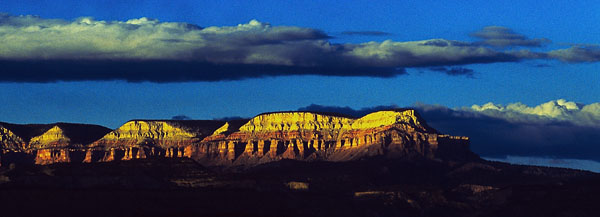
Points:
(374, 187)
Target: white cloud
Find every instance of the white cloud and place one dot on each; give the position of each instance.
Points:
(577, 53)
(423, 53)
(286, 49)
(555, 110)
(30, 37)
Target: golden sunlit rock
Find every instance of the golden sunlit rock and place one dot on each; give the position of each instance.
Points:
(384, 118)
(293, 121)
(314, 136)
(52, 138)
(49, 156)
(305, 136)
(10, 141)
(133, 133)
(222, 129)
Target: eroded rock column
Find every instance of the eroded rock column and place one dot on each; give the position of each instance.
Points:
(231, 150)
(261, 147)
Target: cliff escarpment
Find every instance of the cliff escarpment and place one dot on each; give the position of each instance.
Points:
(151, 138)
(304, 136)
(311, 136)
(158, 133)
(46, 143)
(9, 141)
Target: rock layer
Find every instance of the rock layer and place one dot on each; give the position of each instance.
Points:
(306, 136)
(9, 141)
(47, 143)
(312, 136)
(53, 138)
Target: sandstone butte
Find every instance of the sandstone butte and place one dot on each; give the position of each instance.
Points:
(306, 136)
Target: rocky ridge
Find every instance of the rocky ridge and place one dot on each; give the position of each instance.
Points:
(10, 141)
(46, 143)
(305, 136)
(312, 136)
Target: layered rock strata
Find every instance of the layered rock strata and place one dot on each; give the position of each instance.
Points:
(152, 138)
(306, 136)
(47, 143)
(9, 141)
(312, 136)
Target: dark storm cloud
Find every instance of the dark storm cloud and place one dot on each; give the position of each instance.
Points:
(161, 71)
(499, 137)
(366, 33)
(500, 36)
(553, 129)
(455, 71)
(34, 49)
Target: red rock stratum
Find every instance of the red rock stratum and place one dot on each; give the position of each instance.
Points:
(304, 136)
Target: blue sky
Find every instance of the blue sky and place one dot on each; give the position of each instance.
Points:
(563, 22)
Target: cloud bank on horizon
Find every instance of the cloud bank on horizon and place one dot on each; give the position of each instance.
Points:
(550, 112)
(555, 129)
(35, 49)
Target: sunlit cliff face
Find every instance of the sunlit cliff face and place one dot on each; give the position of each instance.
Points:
(222, 129)
(54, 137)
(264, 138)
(293, 121)
(138, 132)
(10, 141)
(314, 136)
(384, 118)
